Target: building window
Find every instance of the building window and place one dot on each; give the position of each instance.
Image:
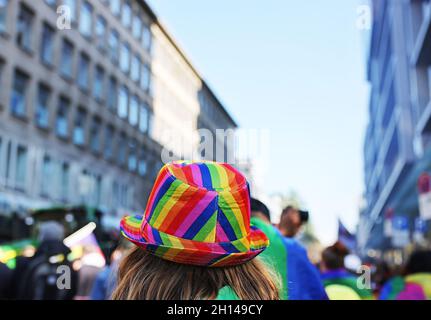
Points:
(79, 127)
(122, 149)
(123, 102)
(146, 38)
(21, 167)
(143, 118)
(124, 196)
(137, 27)
(18, 103)
(150, 123)
(3, 14)
(125, 58)
(142, 164)
(66, 64)
(108, 151)
(85, 20)
(101, 32)
(116, 7)
(113, 46)
(6, 172)
(61, 124)
(46, 176)
(42, 106)
(132, 161)
(1, 159)
(47, 45)
(64, 182)
(134, 111)
(112, 94)
(83, 72)
(95, 135)
(98, 190)
(1, 72)
(24, 28)
(136, 68)
(115, 194)
(71, 4)
(98, 83)
(146, 78)
(126, 16)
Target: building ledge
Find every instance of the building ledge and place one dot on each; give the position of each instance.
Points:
(424, 119)
(421, 54)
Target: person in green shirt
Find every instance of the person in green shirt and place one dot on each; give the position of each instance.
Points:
(299, 278)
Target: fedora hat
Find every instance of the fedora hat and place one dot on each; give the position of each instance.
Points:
(198, 213)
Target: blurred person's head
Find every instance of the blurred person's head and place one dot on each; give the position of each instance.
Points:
(382, 273)
(194, 245)
(419, 262)
(333, 257)
(260, 210)
(51, 231)
(117, 251)
(291, 221)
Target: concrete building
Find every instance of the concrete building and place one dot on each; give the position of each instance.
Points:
(91, 92)
(397, 144)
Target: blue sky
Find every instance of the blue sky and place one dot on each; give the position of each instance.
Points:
(298, 69)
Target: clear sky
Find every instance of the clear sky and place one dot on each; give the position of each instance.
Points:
(298, 69)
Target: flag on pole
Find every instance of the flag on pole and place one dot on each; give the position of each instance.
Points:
(345, 237)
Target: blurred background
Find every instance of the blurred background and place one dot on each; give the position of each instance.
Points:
(333, 99)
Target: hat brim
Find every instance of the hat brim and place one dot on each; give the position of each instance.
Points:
(192, 252)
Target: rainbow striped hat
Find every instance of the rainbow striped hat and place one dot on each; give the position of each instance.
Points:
(198, 213)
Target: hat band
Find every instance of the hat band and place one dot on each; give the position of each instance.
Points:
(154, 236)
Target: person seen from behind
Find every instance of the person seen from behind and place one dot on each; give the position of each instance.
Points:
(5, 278)
(340, 284)
(35, 278)
(415, 281)
(194, 240)
(106, 280)
(91, 264)
(300, 279)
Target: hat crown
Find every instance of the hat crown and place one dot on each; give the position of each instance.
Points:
(200, 201)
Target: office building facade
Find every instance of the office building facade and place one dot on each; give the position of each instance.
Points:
(397, 143)
(88, 89)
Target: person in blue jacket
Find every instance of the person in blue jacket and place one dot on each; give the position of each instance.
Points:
(300, 278)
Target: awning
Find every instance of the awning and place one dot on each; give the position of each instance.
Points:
(20, 204)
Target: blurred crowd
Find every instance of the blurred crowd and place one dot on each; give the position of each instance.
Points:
(340, 275)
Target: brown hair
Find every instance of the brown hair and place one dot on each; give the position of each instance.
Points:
(142, 276)
(333, 256)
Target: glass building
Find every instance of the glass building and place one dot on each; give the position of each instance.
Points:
(397, 145)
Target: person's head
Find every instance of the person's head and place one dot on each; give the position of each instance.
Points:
(419, 262)
(333, 257)
(114, 250)
(291, 221)
(260, 210)
(51, 231)
(383, 272)
(195, 238)
(143, 276)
